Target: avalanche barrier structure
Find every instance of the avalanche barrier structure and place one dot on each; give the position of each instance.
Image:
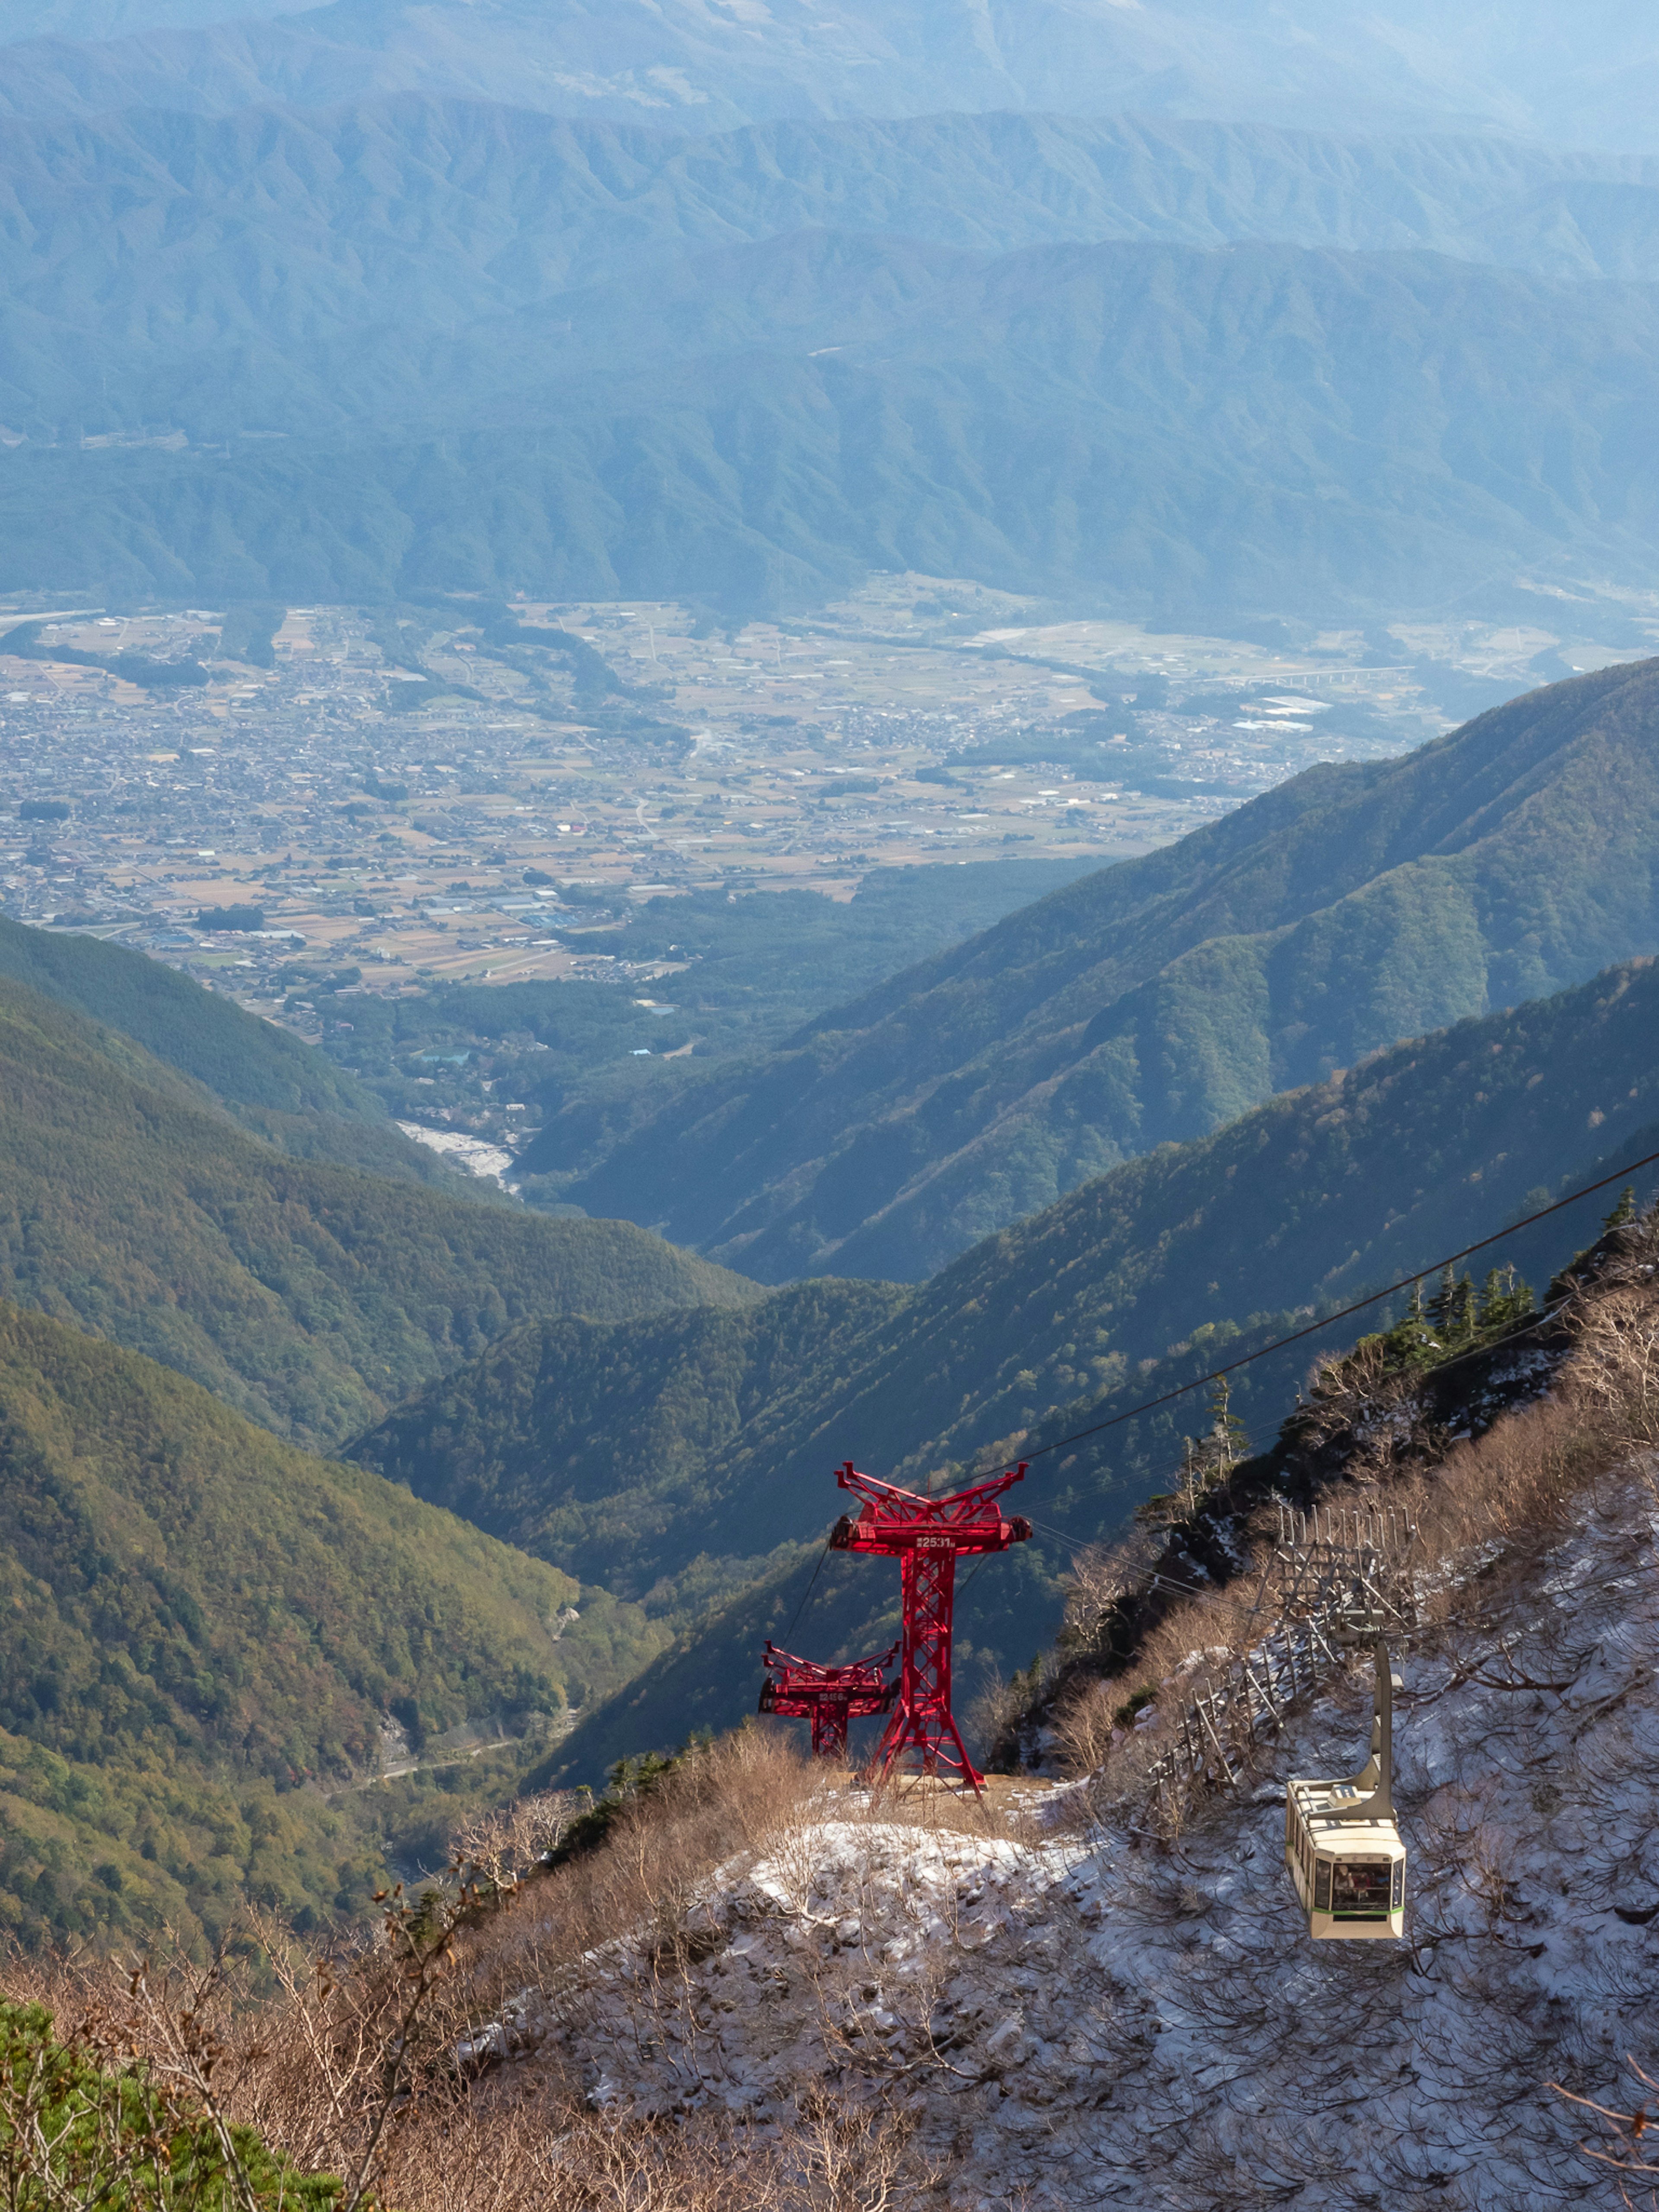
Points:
(1335, 1569)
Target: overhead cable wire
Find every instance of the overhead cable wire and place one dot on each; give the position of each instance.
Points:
(807, 1592)
(1327, 1320)
(1495, 1344)
(1297, 1336)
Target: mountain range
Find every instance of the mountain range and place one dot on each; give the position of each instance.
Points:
(316, 1461)
(657, 1436)
(1405, 66)
(308, 1295)
(703, 1444)
(1211, 371)
(625, 1451)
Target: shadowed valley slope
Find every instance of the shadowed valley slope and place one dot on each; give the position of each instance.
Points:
(1154, 1001)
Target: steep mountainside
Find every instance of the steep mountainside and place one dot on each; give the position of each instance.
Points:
(1155, 1000)
(269, 1080)
(309, 1296)
(631, 1452)
(196, 1619)
(1200, 435)
(1131, 1286)
(1139, 2025)
(325, 256)
(1409, 64)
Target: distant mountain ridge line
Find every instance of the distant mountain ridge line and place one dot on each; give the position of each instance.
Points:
(1410, 67)
(983, 184)
(1063, 452)
(1202, 367)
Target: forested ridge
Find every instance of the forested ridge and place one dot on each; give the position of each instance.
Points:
(204, 1634)
(1134, 1282)
(1159, 999)
(269, 1079)
(310, 1296)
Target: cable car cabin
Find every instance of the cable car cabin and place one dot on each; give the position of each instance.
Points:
(1341, 1841)
(1350, 1874)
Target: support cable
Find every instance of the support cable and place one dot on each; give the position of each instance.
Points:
(1057, 1535)
(789, 1632)
(1374, 1297)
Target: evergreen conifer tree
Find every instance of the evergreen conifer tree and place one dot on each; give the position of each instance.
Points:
(1227, 1440)
(1437, 1311)
(1625, 1211)
(1504, 1299)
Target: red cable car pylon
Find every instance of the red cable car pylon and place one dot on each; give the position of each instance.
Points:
(928, 1535)
(801, 1689)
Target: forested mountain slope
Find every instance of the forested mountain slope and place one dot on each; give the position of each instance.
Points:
(1115, 418)
(323, 253)
(630, 1452)
(271, 1081)
(195, 1619)
(309, 1296)
(622, 1451)
(1152, 1001)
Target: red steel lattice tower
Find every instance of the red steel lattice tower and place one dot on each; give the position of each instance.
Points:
(928, 1535)
(828, 1697)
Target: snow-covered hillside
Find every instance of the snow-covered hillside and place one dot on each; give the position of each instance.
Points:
(1076, 2012)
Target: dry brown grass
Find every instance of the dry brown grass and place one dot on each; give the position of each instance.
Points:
(1483, 1513)
(347, 2064)
(735, 1799)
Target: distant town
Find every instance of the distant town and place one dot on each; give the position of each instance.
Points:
(407, 798)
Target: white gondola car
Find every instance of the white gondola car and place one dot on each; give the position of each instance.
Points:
(1341, 1841)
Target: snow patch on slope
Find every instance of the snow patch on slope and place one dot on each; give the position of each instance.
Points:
(1099, 2018)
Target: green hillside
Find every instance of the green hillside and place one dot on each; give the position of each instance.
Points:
(752, 969)
(269, 1080)
(1077, 407)
(309, 1296)
(203, 1635)
(1139, 1279)
(1156, 999)
(628, 1452)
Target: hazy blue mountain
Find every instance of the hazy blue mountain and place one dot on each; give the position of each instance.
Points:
(1197, 434)
(1155, 1000)
(302, 271)
(1589, 78)
(1066, 357)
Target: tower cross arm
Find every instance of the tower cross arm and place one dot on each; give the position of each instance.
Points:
(892, 1520)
